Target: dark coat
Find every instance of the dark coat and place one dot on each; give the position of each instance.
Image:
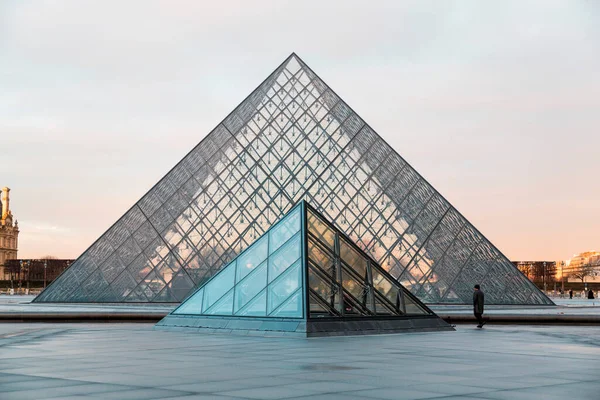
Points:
(591, 295)
(478, 300)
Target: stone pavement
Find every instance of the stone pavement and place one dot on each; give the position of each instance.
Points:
(565, 306)
(133, 361)
(19, 308)
(566, 311)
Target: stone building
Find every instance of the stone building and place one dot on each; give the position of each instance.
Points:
(9, 232)
(589, 260)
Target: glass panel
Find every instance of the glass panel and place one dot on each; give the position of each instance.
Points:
(285, 257)
(291, 308)
(193, 305)
(180, 286)
(321, 230)
(154, 283)
(384, 286)
(317, 309)
(223, 306)
(412, 307)
(250, 286)
(360, 290)
(284, 286)
(395, 297)
(353, 258)
(284, 230)
(136, 296)
(328, 291)
(382, 307)
(218, 286)
(257, 307)
(353, 307)
(320, 257)
(165, 296)
(252, 257)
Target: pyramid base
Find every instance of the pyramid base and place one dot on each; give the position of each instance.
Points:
(274, 327)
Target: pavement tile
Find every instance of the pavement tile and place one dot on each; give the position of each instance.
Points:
(331, 396)
(39, 383)
(141, 394)
(230, 385)
(59, 392)
(132, 361)
(395, 394)
(451, 388)
(10, 378)
(211, 396)
(329, 386)
(266, 393)
(519, 395)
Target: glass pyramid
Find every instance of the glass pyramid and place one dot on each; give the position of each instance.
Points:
(292, 138)
(305, 277)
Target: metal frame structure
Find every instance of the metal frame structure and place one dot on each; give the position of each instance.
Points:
(292, 138)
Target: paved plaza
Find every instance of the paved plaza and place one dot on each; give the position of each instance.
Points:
(134, 361)
(20, 308)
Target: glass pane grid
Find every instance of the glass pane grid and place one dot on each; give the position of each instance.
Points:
(350, 272)
(259, 281)
(292, 139)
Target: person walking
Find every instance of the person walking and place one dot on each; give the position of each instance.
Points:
(591, 294)
(478, 301)
(571, 293)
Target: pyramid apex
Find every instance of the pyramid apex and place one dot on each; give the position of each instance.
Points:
(294, 55)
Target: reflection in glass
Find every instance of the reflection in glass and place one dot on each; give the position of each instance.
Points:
(320, 257)
(284, 230)
(290, 308)
(286, 284)
(325, 289)
(249, 287)
(320, 230)
(352, 258)
(256, 307)
(364, 286)
(252, 257)
(359, 290)
(193, 305)
(222, 307)
(218, 286)
(282, 259)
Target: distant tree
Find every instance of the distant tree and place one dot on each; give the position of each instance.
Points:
(48, 257)
(584, 271)
(526, 269)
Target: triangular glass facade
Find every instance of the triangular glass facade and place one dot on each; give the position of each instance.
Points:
(344, 282)
(303, 269)
(293, 138)
(265, 280)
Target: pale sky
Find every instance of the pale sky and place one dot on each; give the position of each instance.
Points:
(496, 104)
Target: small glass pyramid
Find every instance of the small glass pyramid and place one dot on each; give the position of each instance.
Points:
(303, 277)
